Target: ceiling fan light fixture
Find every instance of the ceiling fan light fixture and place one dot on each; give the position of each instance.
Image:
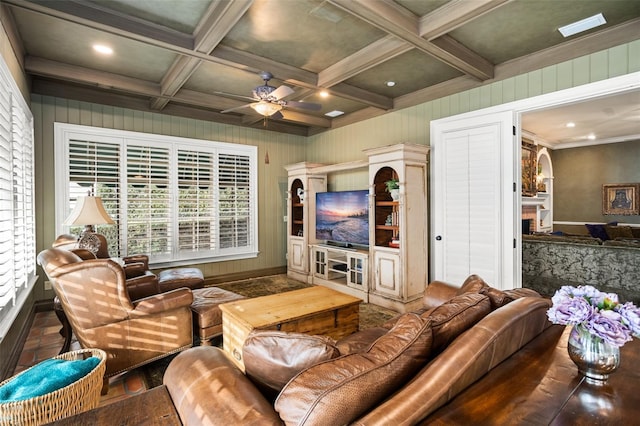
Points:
(266, 108)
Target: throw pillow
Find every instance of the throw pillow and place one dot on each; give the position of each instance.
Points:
(451, 319)
(473, 284)
(598, 231)
(614, 232)
(272, 358)
(338, 391)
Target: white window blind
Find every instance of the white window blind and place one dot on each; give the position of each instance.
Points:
(17, 214)
(235, 200)
(7, 287)
(94, 168)
(149, 203)
(196, 214)
(185, 200)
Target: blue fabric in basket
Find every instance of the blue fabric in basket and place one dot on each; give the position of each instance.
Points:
(47, 376)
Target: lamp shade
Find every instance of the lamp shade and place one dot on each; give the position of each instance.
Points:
(89, 211)
(266, 108)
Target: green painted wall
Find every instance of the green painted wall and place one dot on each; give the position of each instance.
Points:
(579, 174)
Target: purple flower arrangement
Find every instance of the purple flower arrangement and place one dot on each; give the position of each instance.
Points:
(598, 312)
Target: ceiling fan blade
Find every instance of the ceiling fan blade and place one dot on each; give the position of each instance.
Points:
(277, 116)
(231, 95)
(281, 92)
(303, 105)
(235, 109)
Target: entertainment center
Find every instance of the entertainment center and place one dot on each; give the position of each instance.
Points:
(327, 241)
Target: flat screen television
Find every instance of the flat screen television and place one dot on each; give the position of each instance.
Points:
(342, 218)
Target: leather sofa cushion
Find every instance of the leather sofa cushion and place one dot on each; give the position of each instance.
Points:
(338, 391)
(272, 358)
(456, 316)
(499, 298)
(362, 340)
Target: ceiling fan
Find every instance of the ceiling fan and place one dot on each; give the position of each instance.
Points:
(268, 101)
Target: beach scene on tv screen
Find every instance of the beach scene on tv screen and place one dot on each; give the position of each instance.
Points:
(343, 217)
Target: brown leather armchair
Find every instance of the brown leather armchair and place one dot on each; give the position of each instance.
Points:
(141, 282)
(93, 294)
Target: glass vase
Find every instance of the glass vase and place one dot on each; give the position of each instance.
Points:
(595, 358)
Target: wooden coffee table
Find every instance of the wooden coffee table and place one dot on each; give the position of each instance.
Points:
(313, 310)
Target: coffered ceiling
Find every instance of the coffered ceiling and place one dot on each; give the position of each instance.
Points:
(197, 58)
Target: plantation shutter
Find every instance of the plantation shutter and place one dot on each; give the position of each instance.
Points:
(7, 287)
(196, 212)
(235, 201)
(149, 202)
(94, 167)
(23, 220)
(177, 200)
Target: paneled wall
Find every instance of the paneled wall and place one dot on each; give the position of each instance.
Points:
(281, 150)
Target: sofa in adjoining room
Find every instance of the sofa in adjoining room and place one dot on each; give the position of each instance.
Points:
(397, 373)
(612, 264)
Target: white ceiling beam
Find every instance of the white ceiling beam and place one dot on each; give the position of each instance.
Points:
(454, 14)
(376, 53)
(217, 21)
(398, 21)
(76, 74)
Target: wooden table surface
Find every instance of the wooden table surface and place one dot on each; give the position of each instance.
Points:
(265, 311)
(540, 385)
(153, 408)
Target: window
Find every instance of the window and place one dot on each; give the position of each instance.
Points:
(17, 215)
(178, 200)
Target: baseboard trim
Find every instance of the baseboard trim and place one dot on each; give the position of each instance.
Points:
(237, 276)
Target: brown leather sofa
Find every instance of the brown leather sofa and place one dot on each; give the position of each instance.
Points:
(398, 373)
(93, 294)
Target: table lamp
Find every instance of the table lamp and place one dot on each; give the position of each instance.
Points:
(89, 211)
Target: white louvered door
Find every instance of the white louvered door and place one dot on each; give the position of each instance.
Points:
(473, 200)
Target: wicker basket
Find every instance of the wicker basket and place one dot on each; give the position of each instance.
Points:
(80, 396)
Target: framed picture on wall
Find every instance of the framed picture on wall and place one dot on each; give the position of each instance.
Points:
(620, 199)
(529, 168)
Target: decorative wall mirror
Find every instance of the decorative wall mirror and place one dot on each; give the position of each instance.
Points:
(529, 167)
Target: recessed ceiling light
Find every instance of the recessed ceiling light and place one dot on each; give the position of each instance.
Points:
(571, 124)
(582, 25)
(324, 94)
(591, 137)
(334, 113)
(101, 48)
(390, 83)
